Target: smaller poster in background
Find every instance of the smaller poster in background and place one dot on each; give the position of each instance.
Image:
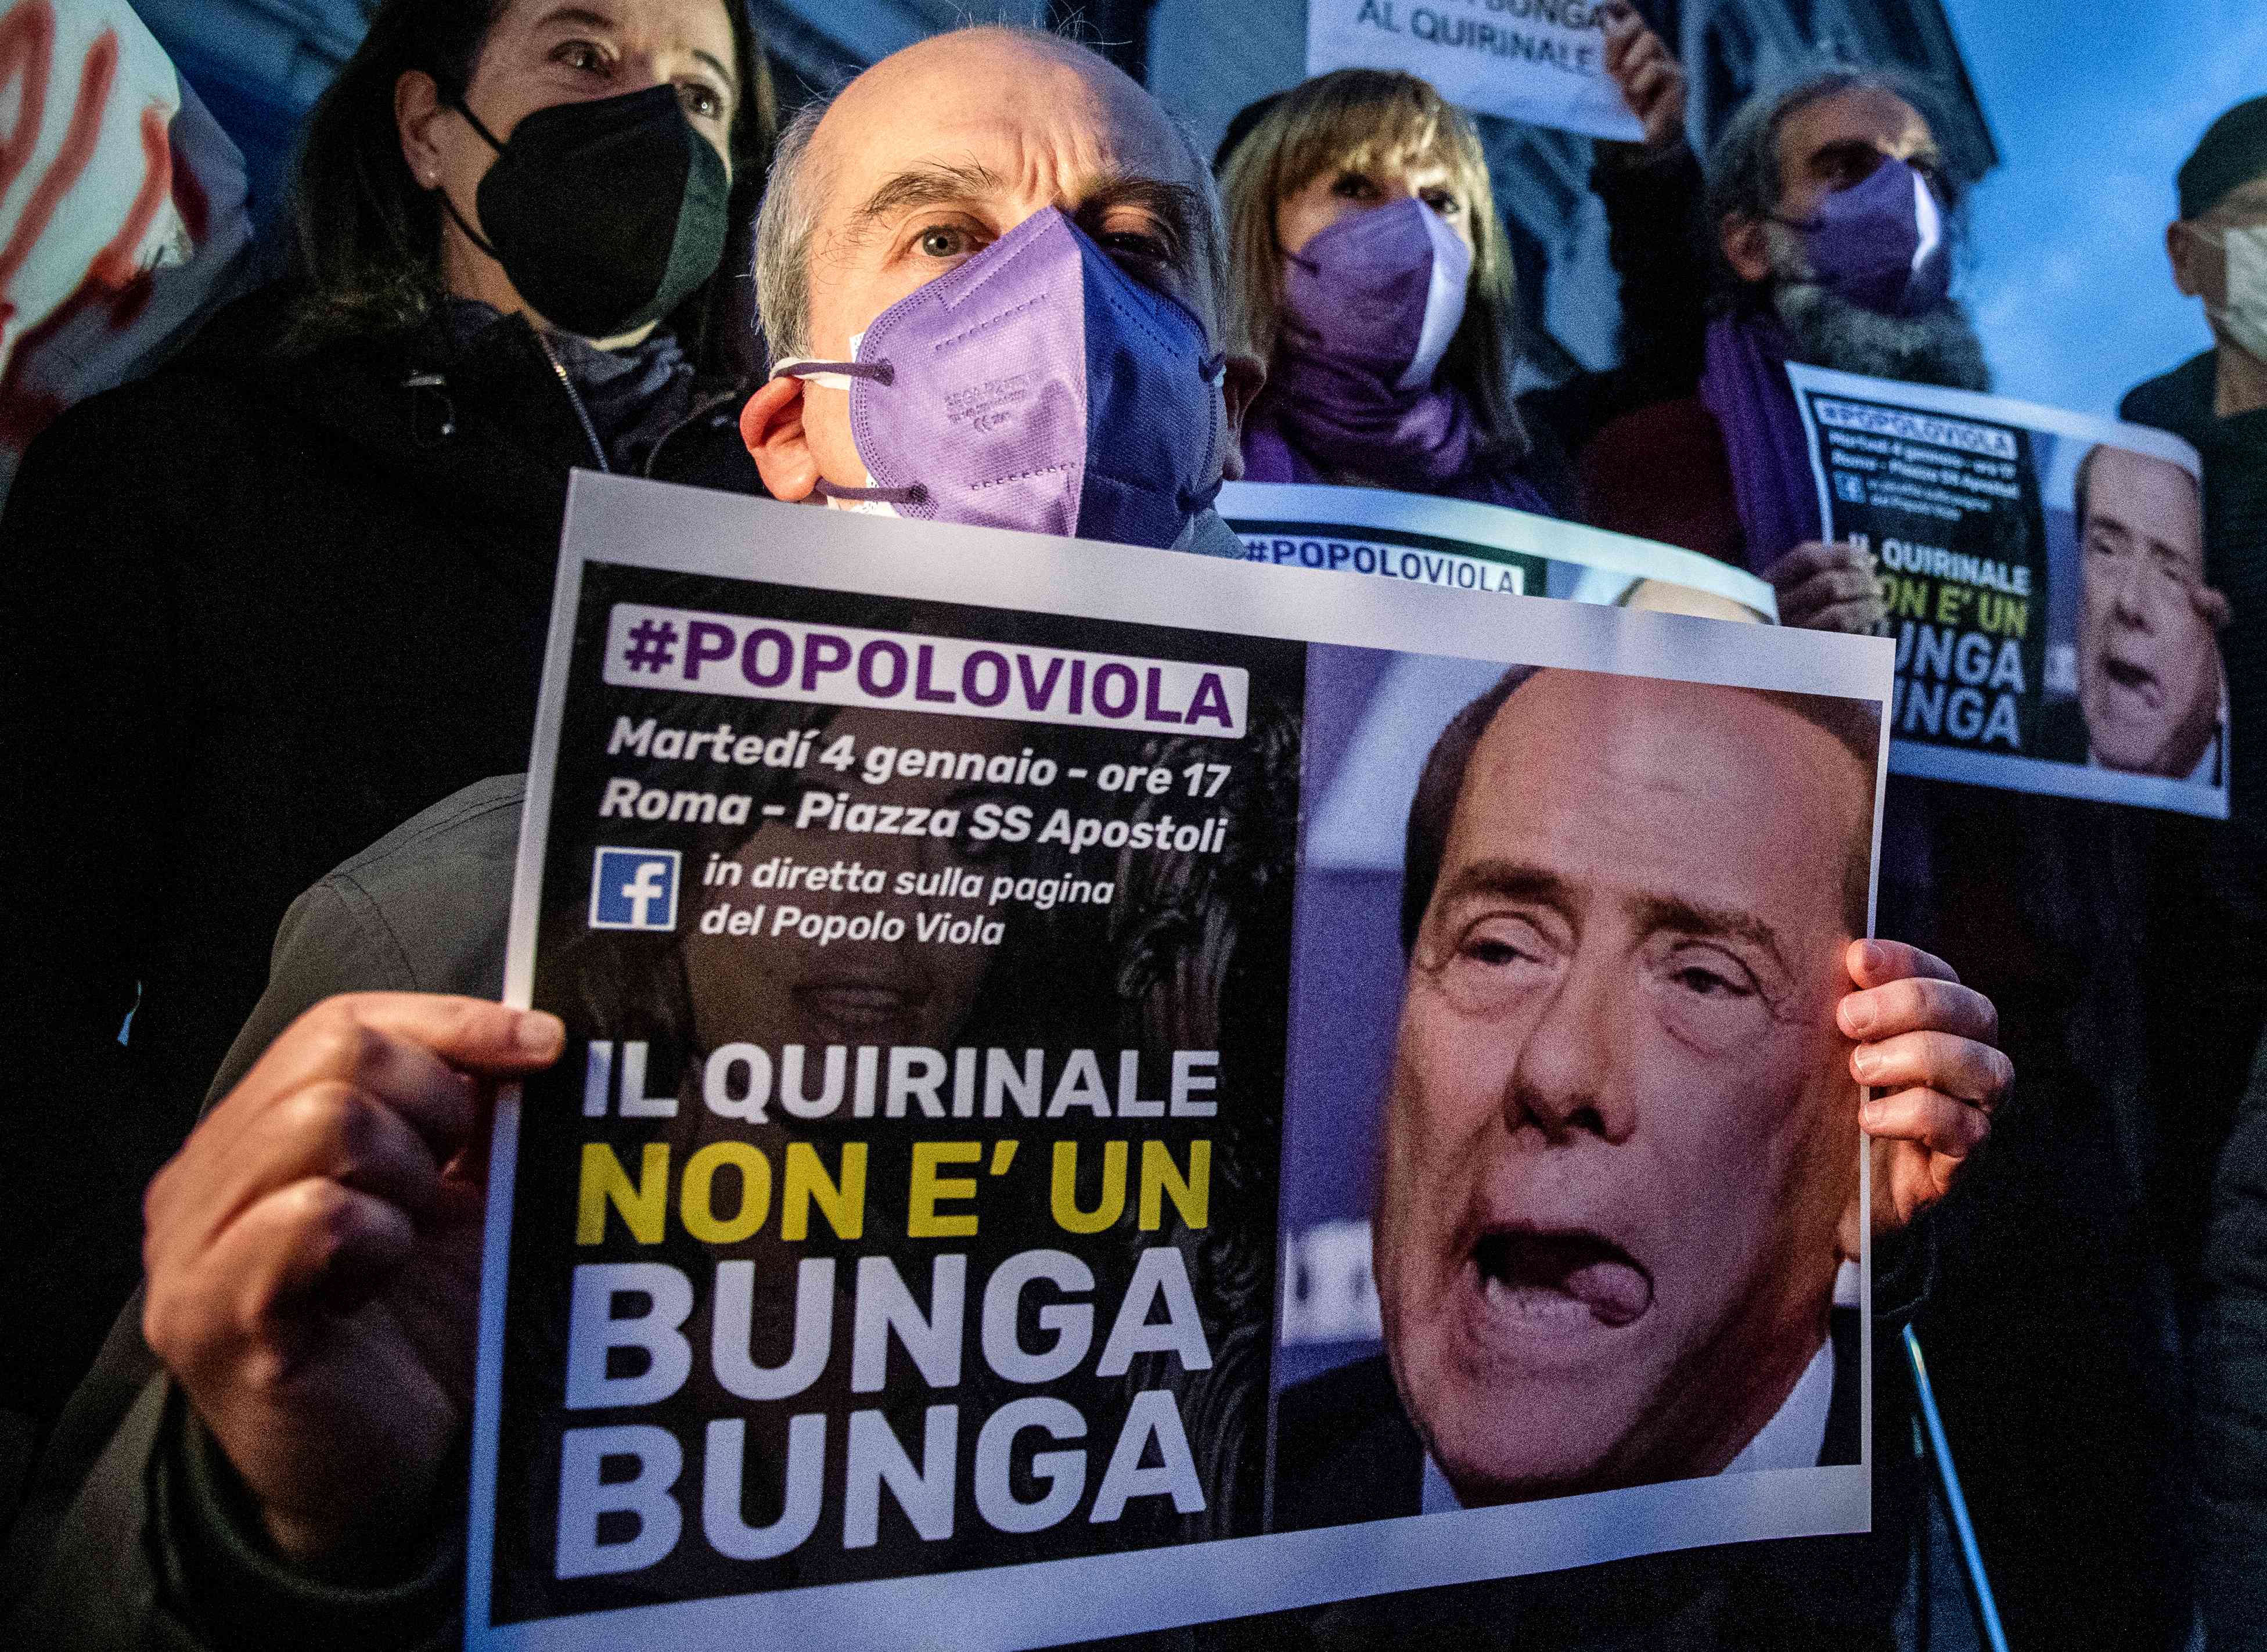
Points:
(1543, 62)
(1417, 539)
(2044, 576)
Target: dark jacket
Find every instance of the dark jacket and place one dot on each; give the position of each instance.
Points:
(1662, 472)
(2203, 960)
(1346, 1451)
(135, 1534)
(2229, 1388)
(2235, 455)
(254, 612)
(132, 1533)
(1657, 240)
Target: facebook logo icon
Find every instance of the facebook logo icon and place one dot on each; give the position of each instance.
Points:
(634, 889)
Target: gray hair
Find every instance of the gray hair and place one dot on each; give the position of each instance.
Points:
(1744, 180)
(787, 223)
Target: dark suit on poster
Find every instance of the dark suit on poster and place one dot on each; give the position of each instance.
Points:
(2062, 737)
(1345, 1450)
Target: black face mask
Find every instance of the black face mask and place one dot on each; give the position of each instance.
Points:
(605, 215)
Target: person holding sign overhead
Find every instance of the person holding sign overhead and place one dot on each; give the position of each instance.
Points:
(1834, 214)
(1373, 276)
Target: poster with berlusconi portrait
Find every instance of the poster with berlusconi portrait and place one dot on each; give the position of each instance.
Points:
(1080, 1113)
(2045, 576)
(1487, 549)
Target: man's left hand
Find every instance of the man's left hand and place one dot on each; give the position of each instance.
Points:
(1650, 78)
(1928, 1048)
(1823, 587)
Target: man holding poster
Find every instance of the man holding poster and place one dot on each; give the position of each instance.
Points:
(748, 1196)
(1834, 212)
(286, 1466)
(785, 1309)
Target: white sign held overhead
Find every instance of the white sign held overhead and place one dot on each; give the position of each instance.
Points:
(1543, 62)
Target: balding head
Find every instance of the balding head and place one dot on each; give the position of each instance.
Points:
(1052, 121)
(932, 155)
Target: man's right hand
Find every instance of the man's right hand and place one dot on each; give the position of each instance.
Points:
(1828, 588)
(314, 1260)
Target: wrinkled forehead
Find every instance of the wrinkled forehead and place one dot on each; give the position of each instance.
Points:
(1049, 123)
(1572, 746)
(2150, 497)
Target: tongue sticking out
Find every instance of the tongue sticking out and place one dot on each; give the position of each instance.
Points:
(1554, 1273)
(2125, 674)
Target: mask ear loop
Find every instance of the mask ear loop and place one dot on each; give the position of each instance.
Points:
(456, 100)
(834, 375)
(1214, 371)
(838, 375)
(1285, 321)
(912, 495)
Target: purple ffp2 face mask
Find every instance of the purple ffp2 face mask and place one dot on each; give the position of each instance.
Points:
(1881, 243)
(1037, 386)
(1381, 291)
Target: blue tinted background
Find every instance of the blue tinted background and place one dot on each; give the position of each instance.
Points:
(2094, 107)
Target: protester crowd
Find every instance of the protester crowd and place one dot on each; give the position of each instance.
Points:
(274, 615)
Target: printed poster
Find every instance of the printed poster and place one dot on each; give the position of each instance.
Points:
(1459, 545)
(2044, 575)
(1542, 62)
(967, 948)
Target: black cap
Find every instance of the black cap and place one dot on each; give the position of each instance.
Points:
(1239, 129)
(2231, 153)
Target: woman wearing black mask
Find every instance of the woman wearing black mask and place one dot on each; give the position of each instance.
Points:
(273, 600)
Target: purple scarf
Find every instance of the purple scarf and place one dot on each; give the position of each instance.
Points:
(1744, 386)
(1417, 441)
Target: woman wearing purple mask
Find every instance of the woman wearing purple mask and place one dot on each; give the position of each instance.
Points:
(1372, 275)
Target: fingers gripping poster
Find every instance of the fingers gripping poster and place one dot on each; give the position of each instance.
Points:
(2044, 577)
(946, 931)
